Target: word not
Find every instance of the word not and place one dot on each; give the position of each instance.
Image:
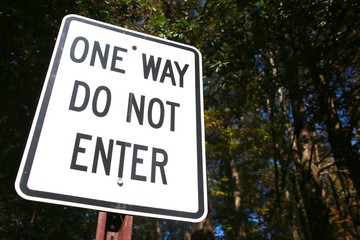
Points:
(106, 157)
(139, 111)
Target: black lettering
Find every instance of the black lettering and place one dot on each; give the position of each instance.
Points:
(122, 156)
(161, 165)
(139, 111)
(78, 149)
(99, 148)
(108, 101)
(172, 114)
(150, 66)
(115, 57)
(74, 94)
(150, 115)
(137, 160)
(168, 72)
(181, 72)
(102, 57)
(85, 51)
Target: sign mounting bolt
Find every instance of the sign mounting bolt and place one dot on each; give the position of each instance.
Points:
(120, 182)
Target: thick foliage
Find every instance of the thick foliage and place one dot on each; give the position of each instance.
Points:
(281, 88)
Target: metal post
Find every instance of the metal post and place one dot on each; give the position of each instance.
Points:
(113, 226)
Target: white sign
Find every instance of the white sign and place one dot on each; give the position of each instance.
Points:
(119, 125)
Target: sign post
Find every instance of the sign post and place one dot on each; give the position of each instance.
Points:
(119, 125)
(113, 226)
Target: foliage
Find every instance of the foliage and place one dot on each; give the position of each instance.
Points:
(281, 88)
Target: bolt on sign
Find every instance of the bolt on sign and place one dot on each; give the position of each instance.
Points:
(119, 125)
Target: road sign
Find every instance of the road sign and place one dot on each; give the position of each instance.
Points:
(119, 125)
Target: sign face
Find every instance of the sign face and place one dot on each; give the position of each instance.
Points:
(119, 125)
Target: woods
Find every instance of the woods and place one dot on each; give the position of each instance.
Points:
(282, 114)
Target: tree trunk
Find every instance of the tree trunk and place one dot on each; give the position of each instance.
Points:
(339, 137)
(340, 140)
(240, 223)
(316, 210)
(203, 230)
(311, 189)
(158, 229)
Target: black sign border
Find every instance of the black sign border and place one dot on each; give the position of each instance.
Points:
(95, 203)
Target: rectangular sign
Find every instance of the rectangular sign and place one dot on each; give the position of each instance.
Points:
(119, 125)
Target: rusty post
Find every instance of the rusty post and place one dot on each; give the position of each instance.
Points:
(113, 226)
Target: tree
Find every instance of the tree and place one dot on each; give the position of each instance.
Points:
(281, 87)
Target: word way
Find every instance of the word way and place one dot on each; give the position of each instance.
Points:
(166, 72)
